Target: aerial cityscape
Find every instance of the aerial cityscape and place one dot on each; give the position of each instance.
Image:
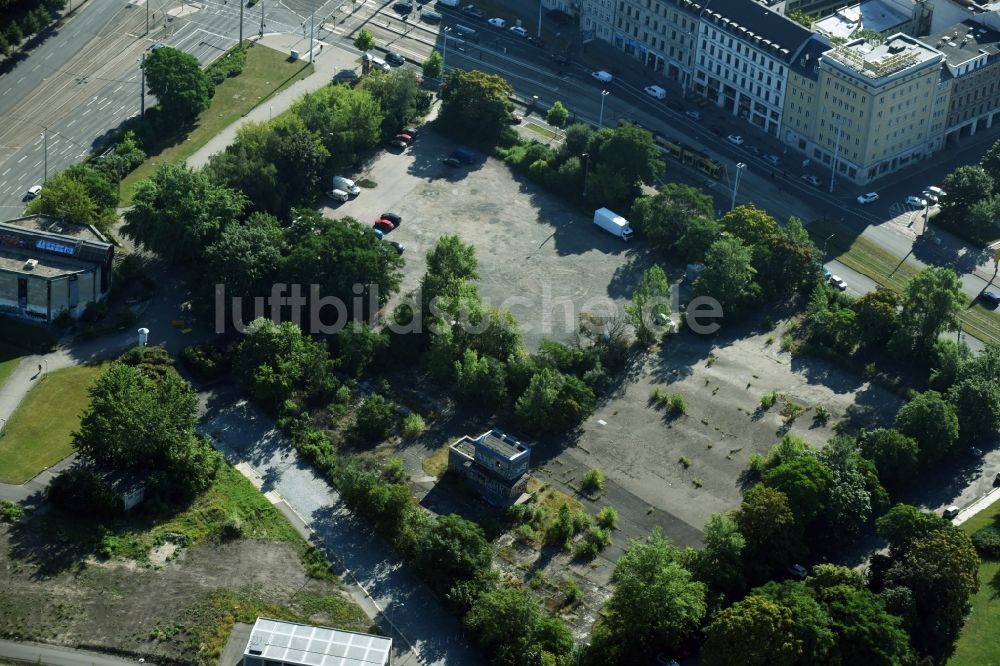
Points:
(522, 332)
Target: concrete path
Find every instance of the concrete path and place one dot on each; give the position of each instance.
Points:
(33, 653)
(328, 62)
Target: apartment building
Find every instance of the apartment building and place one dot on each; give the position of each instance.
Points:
(972, 70)
(597, 19)
(658, 33)
(875, 105)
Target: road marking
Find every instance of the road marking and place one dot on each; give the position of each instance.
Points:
(7, 91)
(6, 172)
(48, 56)
(35, 67)
(86, 112)
(23, 157)
(19, 80)
(35, 165)
(70, 123)
(119, 88)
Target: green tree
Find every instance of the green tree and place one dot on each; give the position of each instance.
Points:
(482, 380)
(67, 198)
(628, 151)
(719, 564)
(977, 403)
(433, 67)
(14, 34)
(904, 524)
(451, 263)
(949, 357)
(896, 456)
(983, 218)
(991, 162)
(931, 304)
(965, 186)
(293, 149)
(875, 315)
(364, 41)
(773, 537)
(729, 277)
(475, 105)
(178, 82)
(849, 504)
(397, 93)
(749, 224)
(801, 18)
(499, 337)
(179, 212)
(812, 631)
(650, 303)
(244, 166)
(655, 606)
(102, 191)
(557, 115)
(245, 258)
(374, 418)
(453, 549)
(932, 421)
(441, 354)
(763, 630)
(4, 45)
(347, 120)
(806, 483)
(554, 402)
(509, 623)
(359, 347)
(669, 215)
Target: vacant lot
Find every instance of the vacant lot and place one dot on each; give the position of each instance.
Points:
(156, 597)
(38, 434)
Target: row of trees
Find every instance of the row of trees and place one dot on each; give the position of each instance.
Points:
(972, 205)
(20, 19)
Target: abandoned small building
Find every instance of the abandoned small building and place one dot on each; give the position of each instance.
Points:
(279, 643)
(48, 266)
(494, 463)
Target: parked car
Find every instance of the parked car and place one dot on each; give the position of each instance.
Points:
(929, 196)
(516, 118)
(412, 131)
(451, 161)
(32, 192)
(936, 192)
(398, 246)
(735, 139)
(378, 233)
(838, 282)
(773, 160)
(402, 7)
(951, 512)
(464, 155)
(430, 16)
(693, 115)
(346, 184)
(385, 226)
(518, 30)
(990, 298)
(405, 137)
(976, 451)
(868, 198)
(914, 200)
(394, 58)
(338, 195)
(560, 59)
(377, 63)
(602, 76)
(473, 11)
(398, 143)
(536, 41)
(497, 23)
(656, 91)
(811, 179)
(395, 218)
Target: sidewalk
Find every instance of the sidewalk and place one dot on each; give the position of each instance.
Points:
(332, 59)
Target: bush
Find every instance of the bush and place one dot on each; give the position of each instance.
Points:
(231, 64)
(574, 594)
(768, 399)
(10, 512)
(608, 518)
(205, 362)
(374, 418)
(593, 481)
(594, 541)
(987, 541)
(80, 491)
(413, 426)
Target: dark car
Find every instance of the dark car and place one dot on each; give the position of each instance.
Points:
(560, 59)
(473, 11)
(464, 155)
(399, 144)
(991, 299)
(451, 161)
(402, 7)
(395, 218)
(430, 16)
(397, 245)
(394, 58)
(536, 41)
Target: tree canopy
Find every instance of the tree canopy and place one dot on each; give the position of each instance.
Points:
(179, 83)
(475, 105)
(931, 304)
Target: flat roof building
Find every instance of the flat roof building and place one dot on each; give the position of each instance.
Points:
(279, 643)
(494, 463)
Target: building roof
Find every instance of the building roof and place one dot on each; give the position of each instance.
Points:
(304, 644)
(502, 444)
(807, 62)
(15, 260)
(758, 25)
(965, 41)
(54, 225)
(52, 236)
(877, 61)
(876, 15)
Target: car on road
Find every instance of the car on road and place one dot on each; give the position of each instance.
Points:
(536, 41)
(773, 160)
(735, 139)
(430, 16)
(32, 192)
(473, 11)
(693, 115)
(868, 198)
(656, 91)
(385, 226)
(838, 282)
(399, 247)
(398, 144)
(602, 76)
(990, 298)
(338, 195)
(394, 58)
(914, 200)
(560, 59)
(518, 30)
(402, 7)
(516, 118)
(811, 179)
(405, 137)
(395, 218)
(497, 23)
(451, 161)
(951, 512)
(464, 155)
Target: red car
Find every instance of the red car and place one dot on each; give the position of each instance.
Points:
(405, 138)
(385, 226)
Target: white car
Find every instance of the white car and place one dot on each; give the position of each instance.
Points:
(656, 91)
(913, 200)
(602, 76)
(951, 512)
(338, 195)
(519, 31)
(32, 192)
(693, 115)
(735, 139)
(868, 198)
(811, 179)
(497, 23)
(838, 282)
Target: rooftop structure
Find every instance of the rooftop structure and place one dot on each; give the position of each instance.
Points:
(877, 15)
(287, 643)
(874, 60)
(495, 463)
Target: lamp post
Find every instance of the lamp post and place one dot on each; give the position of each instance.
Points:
(825, 241)
(736, 182)
(600, 120)
(586, 170)
(836, 154)
(539, 19)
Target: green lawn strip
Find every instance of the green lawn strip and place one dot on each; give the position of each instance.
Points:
(864, 257)
(979, 642)
(266, 73)
(538, 129)
(37, 435)
(10, 356)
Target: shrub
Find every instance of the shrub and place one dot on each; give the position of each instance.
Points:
(413, 426)
(594, 541)
(608, 518)
(205, 362)
(374, 418)
(593, 481)
(676, 404)
(574, 594)
(228, 65)
(10, 512)
(822, 414)
(768, 399)
(987, 541)
(232, 528)
(685, 461)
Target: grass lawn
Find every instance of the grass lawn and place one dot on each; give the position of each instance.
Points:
(10, 356)
(867, 258)
(979, 643)
(266, 73)
(436, 464)
(30, 443)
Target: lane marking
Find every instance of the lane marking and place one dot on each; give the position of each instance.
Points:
(70, 123)
(23, 157)
(87, 111)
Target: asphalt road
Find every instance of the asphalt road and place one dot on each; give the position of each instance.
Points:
(33, 653)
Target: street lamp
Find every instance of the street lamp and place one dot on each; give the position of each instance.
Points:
(586, 170)
(736, 182)
(444, 49)
(539, 19)
(825, 241)
(600, 120)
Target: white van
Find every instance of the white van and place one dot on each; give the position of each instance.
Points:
(656, 91)
(338, 195)
(448, 3)
(347, 185)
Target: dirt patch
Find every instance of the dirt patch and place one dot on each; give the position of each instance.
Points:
(162, 554)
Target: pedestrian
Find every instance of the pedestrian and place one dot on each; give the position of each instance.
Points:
(39, 368)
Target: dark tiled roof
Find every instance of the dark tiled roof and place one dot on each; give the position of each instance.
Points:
(780, 31)
(806, 63)
(965, 41)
